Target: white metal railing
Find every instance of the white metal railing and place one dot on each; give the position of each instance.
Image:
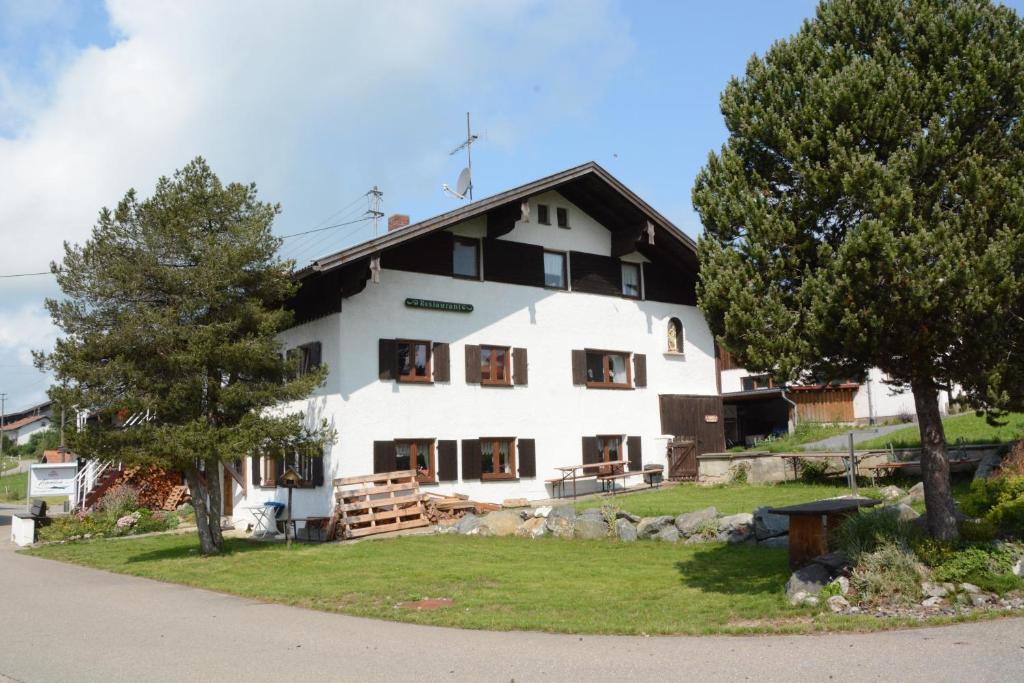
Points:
(85, 481)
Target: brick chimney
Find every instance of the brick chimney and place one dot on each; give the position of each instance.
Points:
(397, 221)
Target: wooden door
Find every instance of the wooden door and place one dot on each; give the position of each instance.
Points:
(228, 497)
(695, 417)
(682, 460)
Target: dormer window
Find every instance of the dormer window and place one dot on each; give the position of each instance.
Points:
(562, 216)
(543, 217)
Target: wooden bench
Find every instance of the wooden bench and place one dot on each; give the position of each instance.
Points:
(652, 477)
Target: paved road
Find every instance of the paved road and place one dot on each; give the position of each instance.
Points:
(63, 623)
(841, 441)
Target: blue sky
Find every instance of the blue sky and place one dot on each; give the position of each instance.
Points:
(318, 101)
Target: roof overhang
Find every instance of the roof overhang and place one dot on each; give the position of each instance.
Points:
(589, 186)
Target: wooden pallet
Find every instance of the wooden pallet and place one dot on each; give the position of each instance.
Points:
(375, 504)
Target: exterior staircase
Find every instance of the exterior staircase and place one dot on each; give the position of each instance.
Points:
(110, 477)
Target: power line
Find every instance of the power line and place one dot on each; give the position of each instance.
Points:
(46, 272)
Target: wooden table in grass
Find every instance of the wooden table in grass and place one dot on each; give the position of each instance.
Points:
(810, 523)
(844, 458)
(569, 472)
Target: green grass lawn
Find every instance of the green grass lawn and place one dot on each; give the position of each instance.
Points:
(13, 487)
(804, 434)
(968, 428)
(729, 498)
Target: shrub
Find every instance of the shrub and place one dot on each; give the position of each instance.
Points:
(987, 566)
(867, 530)
(1013, 462)
(814, 471)
(740, 473)
(1000, 500)
(890, 574)
(978, 531)
(120, 500)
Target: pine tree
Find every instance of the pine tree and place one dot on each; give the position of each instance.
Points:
(867, 208)
(172, 309)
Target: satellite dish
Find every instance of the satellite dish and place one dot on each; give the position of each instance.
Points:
(463, 183)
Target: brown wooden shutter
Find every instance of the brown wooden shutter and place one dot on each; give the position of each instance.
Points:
(441, 362)
(471, 468)
(520, 367)
(515, 263)
(579, 367)
(527, 458)
(472, 364)
(388, 359)
(383, 456)
(590, 452)
(636, 460)
(447, 460)
(639, 370)
(256, 479)
(318, 469)
(314, 356)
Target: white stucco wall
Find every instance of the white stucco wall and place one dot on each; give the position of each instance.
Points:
(732, 380)
(22, 434)
(550, 409)
(886, 401)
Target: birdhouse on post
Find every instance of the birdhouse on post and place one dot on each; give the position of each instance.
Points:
(290, 479)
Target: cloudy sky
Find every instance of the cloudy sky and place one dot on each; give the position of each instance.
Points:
(318, 101)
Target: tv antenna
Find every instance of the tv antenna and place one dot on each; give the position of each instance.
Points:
(464, 185)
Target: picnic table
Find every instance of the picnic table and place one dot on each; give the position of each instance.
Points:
(809, 524)
(569, 473)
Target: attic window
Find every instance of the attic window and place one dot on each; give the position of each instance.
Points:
(562, 216)
(542, 214)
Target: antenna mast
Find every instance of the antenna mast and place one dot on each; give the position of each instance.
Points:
(468, 146)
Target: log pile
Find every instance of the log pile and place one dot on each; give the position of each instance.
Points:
(158, 489)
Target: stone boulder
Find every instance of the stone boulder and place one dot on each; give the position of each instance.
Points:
(934, 590)
(501, 523)
(590, 527)
(561, 520)
(905, 512)
(892, 492)
(622, 514)
(775, 542)
(741, 535)
(837, 603)
(468, 525)
(914, 495)
(648, 527)
(808, 580)
(625, 530)
(743, 521)
(690, 523)
(768, 525)
(542, 511)
(695, 539)
(667, 534)
(535, 527)
(835, 563)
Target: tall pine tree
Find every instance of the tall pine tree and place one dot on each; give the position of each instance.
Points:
(171, 309)
(867, 208)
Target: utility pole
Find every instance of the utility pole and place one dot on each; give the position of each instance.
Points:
(375, 200)
(3, 400)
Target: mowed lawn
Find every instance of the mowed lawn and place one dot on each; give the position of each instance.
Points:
(13, 487)
(496, 583)
(729, 499)
(969, 428)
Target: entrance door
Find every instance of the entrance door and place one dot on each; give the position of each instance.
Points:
(682, 460)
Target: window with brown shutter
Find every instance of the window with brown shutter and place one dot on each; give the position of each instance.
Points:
(441, 362)
(639, 370)
(608, 370)
(472, 364)
(579, 366)
(383, 456)
(591, 454)
(413, 360)
(388, 359)
(494, 365)
(470, 459)
(497, 458)
(633, 447)
(418, 455)
(527, 457)
(447, 460)
(520, 367)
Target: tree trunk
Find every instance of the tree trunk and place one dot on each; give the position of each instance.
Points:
(938, 498)
(215, 479)
(207, 520)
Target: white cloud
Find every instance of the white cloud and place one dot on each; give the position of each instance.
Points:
(315, 101)
(311, 100)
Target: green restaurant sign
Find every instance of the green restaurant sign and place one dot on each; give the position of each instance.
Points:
(439, 305)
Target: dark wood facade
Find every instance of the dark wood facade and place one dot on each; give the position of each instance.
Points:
(696, 417)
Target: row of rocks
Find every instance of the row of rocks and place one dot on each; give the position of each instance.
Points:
(562, 521)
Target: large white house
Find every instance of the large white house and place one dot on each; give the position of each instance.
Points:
(549, 325)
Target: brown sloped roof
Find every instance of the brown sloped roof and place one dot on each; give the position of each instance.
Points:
(589, 186)
(23, 421)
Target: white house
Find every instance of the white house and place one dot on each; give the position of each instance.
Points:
(549, 325)
(19, 426)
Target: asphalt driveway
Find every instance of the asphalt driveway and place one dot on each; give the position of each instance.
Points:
(61, 622)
